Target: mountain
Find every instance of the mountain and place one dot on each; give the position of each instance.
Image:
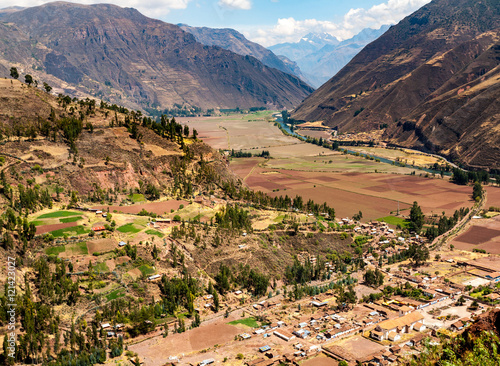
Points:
(308, 44)
(320, 56)
(234, 41)
(124, 57)
(432, 79)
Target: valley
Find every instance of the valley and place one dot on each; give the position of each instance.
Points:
(347, 182)
(178, 195)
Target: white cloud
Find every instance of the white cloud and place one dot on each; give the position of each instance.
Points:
(389, 12)
(291, 30)
(236, 4)
(154, 8)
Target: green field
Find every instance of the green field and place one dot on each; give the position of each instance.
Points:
(128, 228)
(55, 250)
(73, 230)
(71, 219)
(38, 223)
(52, 215)
(137, 197)
(249, 322)
(154, 232)
(78, 248)
(75, 249)
(115, 294)
(101, 267)
(393, 220)
(146, 270)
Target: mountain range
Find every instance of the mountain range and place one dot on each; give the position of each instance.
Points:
(320, 55)
(433, 80)
(124, 57)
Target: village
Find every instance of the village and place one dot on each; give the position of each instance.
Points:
(385, 324)
(440, 297)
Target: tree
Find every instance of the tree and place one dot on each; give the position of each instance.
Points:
(216, 301)
(477, 191)
(14, 73)
(358, 216)
(416, 218)
(28, 79)
(47, 87)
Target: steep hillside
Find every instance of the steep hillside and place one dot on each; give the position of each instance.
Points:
(236, 42)
(411, 73)
(124, 57)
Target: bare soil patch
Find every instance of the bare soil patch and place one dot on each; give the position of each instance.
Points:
(158, 208)
(155, 351)
(135, 273)
(101, 245)
(121, 260)
(110, 263)
(320, 360)
(359, 346)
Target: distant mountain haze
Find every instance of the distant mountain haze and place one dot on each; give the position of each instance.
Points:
(433, 79)
(120, 55)
(320, 55)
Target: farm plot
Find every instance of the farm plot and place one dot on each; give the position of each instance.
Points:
(58, 214)
(69, 250)
(483, 234)
(101, 245)
(129, 228)
(376, 195)
(239, 132)
(42, 229)
(72, 230)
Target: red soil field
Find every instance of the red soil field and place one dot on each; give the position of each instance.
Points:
(158, 208)
(478, 235)
(492, 196)
(47, 228)
(483, 234)
(376, 195)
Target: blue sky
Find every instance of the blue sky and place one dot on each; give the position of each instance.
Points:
(269, 21)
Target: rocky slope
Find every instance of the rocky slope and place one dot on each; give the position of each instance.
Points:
(122, 56)
(433, 79)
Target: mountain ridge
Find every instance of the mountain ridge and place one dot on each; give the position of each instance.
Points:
(234, 41)
(127, 58)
